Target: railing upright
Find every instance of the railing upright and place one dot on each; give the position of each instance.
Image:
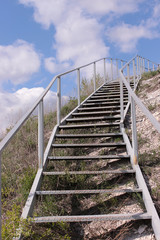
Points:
(78, 86)
(40, 134)
(121, 102)
(117, 68)
(105, 79)
(58, 100)
(94, 75)
(111, 69)
(134, 74)
(134, 132)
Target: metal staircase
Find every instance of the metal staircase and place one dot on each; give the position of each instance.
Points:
(90, 156)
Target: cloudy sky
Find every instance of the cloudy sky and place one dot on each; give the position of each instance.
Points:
(40, 38)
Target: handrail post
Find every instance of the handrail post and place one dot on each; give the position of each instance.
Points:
(148, 65)
(121, 63)
(94, 75)
(134, 132)
(78, 86)
(143, 65)
(121, 100)
(134, 74)
(58, 100)
(140, 66)
(137, 67)
(128, 74)
(117, 68)
(40, 134)
(105, 79)
(153, 66)
(111, 69)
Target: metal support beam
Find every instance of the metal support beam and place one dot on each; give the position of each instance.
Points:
(78, 86)
(94, 75)
(148, 202)
(40, 134)
(58, 100)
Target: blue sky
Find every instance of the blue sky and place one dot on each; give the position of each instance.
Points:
(40, 38)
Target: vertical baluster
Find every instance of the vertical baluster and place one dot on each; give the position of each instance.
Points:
(137, 67)
(121, 100)
(58, 100)
(111, 69)
(134, 74)
(105, 79)
(153, 66)
(143, 65)
(78, 86)
(40, 134)
(94, 75)
(117, 69)
(148, 65)
(134, 132)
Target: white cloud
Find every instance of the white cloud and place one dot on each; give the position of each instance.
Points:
(14, 105)
(104, 7)
(18, 62)
(52, 66)
(77, 34)
(126, 36)
(156, 10)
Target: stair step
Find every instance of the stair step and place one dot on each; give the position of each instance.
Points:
(102, 157)
(93, 119)
(88, 135)
(89, 172)
(104, 103)
(107, 97)
(88, 145)
(98, 108)
(90, 218)
(89, 125)
(92, 191)
(105, 100)
(96, 113)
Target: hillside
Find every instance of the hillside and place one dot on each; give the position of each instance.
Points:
(148, 137)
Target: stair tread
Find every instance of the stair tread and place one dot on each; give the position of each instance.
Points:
(105, 99)
(89, 145)
(95, 113)
(88, 135)
(89, 172)
(88, 157)
(89, 125)
(88, 191)
(93, 118)
(97, 108)
(89, 218)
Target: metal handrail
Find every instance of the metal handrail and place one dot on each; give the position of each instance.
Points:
(18, 125)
